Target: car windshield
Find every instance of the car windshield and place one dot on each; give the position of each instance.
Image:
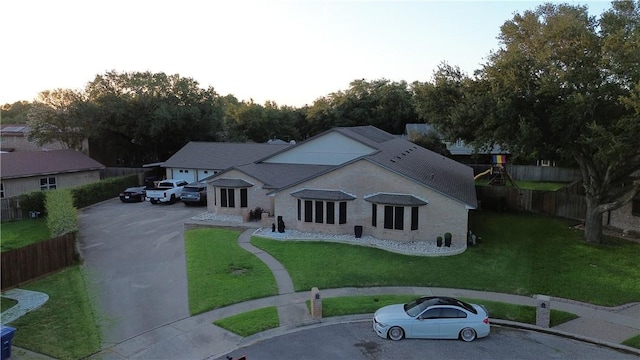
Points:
(417, 306)
(190, 189)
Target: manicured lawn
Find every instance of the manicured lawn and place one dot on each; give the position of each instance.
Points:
(259, 320)
(348, 305)
(16, 234)
(251, 322)
(519, 254)
(220, 272)
(65, 326)
(6, 303)
(633, 342)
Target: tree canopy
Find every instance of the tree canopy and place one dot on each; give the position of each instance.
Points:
(563, 84)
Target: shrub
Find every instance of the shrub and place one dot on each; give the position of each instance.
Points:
(62, 217)
(93, 193)
(33, 201)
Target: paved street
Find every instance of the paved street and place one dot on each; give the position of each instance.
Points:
(134, 257)
(357, 341)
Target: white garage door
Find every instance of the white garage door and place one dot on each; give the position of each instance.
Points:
(184, 174)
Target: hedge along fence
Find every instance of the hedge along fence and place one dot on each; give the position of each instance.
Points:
(84, 195)
(62, 217)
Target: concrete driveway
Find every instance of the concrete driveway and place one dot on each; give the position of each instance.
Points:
(134, 260)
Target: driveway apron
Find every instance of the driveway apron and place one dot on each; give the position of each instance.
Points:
(135, 262)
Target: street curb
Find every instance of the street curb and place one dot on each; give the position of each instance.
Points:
(315, 323)
(551, 331)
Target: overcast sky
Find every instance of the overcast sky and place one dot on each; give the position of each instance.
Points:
(290, 52)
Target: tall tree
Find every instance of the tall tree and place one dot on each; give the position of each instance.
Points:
(562, 83)
(146, 117)
(59, 115)
(15, 113)
(382, 103)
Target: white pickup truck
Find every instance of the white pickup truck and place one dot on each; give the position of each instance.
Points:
(166, 191)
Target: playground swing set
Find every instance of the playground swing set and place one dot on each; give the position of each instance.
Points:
(498, 172)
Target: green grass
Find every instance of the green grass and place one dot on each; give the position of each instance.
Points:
(529, 185)
(16, 234)
(259, 320)
(633, 342)
(251, 322)
(221, 273)
(65, 327)
(6, 303)
(348, 305)
(520, 254)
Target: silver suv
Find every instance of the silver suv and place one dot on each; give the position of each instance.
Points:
(194, 193)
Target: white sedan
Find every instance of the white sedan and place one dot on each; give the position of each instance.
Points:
(432, 318)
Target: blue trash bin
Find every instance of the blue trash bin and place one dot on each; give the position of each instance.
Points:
(7, 337)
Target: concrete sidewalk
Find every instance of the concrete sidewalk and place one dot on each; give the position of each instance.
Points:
(196, 337)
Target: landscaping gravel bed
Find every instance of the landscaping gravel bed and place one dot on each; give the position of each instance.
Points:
(420, 248)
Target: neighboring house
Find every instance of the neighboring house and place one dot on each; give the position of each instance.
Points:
(13, 137)
(353, 177)
(199, 160)
(626, 218)
(459, 150)
(26, 171)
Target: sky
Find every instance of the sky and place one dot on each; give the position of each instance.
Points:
(291, 52)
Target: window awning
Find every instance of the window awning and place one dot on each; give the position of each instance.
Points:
(396, 200)
(327, 195)
(230, 183)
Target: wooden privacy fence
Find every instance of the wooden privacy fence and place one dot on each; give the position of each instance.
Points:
(38, 259)
(563, 203)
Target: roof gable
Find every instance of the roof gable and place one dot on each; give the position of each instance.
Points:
(220, 155)
(32, 163)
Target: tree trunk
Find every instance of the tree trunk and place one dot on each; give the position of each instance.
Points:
(593, 223)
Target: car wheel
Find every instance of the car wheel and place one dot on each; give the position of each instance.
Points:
(396, 333)
(172, 200)
(468, 334)
(154, 201)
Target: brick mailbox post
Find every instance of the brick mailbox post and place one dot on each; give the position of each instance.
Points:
(316, 304)
(543, 311)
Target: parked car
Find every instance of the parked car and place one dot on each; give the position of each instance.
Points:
(194, 193)
(167, 191)
(133, 194)
(432, 318)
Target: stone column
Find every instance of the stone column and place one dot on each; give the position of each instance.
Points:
(543, 311)
(316, 304)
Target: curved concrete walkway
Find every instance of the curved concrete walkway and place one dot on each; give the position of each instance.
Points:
(27, 301)
(197, 338)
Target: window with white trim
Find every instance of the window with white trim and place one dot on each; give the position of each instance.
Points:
(1, 190)
(48, 183)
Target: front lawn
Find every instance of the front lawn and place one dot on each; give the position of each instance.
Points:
(251, 322)
(221, 273)
(65, 327)
(520, 254)
(16, 234)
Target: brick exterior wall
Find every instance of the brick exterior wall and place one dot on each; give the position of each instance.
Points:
(363, 178)
(256, 197)
(623, 219)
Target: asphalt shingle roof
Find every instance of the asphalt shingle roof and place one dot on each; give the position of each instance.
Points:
(219, 155)
(330, 195)
(32, 163)
(396, 199)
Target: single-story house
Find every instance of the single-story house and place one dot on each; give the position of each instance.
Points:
(13, 137)
(199, 160)
(26, 171)
(356, 177)
(459, 150)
